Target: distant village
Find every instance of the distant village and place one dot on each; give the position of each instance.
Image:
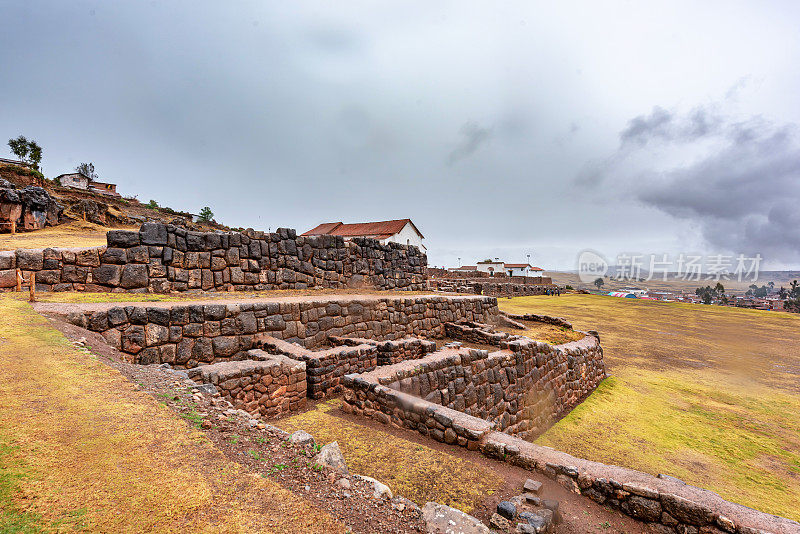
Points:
(766, 297)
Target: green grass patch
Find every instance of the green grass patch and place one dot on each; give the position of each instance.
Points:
(707, 394)
(12, 519)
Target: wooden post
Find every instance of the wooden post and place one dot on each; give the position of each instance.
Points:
(32, 284)
(19, 280)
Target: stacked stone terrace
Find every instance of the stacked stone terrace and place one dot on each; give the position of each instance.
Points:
(188, 335)
(520, 389)
(265, 384)
(161, 258)
(496, 402)
(461, 396)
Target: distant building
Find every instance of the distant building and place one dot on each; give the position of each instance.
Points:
(75, 180)
(494, 267)
(523, 269)
(491, 267)
(401, 231)
(78, 180)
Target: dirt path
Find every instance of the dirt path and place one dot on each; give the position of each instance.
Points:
(73, 234)
(81, 448)
(423, 469)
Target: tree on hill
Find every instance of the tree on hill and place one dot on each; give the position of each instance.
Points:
(87, 169)
(599, 283)
(26, 150)
(206, 214)
(152, 204)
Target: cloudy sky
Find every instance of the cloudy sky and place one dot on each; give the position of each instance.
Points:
(501, 128)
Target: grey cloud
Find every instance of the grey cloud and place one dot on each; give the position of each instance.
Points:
(742, 194)
(664, 125)
(643, 128)
(473, 136)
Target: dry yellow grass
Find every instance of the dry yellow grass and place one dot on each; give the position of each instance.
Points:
(707, 394)
(548, 333)
(86, 297)
(82, 449)
(417, 472)
(73, 234)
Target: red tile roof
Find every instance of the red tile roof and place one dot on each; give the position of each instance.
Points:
(522, 266)
(378, 230)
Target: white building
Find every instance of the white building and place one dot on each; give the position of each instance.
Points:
(523, 269)
(75, 180)
(491, 267)
(401, 231)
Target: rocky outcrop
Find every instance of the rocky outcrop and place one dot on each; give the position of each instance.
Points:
(31, 208)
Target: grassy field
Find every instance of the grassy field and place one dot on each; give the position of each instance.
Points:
(73, 234)
(82, 450)
(707, 394)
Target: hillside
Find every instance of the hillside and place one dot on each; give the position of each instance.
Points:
(83, 206)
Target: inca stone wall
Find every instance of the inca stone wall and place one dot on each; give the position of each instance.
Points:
(521, 389)
(495, 289)
(191, 335)
(162, 258)
(462, 381)
(265, 384)
(393, 351)
(325, 367)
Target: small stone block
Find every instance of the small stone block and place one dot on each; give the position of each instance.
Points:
(532, 486)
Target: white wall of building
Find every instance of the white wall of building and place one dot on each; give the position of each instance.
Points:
(75, 180)
(494, 267)
(407, 236)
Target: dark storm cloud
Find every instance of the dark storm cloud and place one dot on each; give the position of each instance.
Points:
(473, 136)
(741, 192)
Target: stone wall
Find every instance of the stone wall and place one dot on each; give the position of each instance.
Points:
(537, 318)
(521, 389)
(162, 258)
(393, 351)
(392, 395)
(476, 333)
(666, 504)
(265, 384)
(495, 289)
(190, 335)
(325, 368)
